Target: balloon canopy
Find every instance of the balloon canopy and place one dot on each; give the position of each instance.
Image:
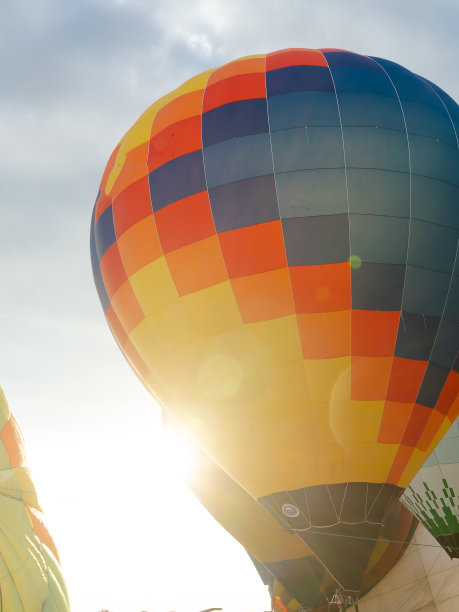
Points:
(274, 244)
(31, 577)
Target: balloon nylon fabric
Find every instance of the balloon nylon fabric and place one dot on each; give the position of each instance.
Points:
(274, 245)
(284, 561)
(31, 578)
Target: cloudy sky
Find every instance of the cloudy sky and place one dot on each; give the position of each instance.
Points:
(74, 76)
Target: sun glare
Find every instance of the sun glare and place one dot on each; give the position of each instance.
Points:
(121, 491)
(177, 453)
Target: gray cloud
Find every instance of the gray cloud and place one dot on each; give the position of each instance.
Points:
(52, 49)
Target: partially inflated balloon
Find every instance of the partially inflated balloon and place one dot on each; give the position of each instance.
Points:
(433, 495)
(30, 576)
(274, 244)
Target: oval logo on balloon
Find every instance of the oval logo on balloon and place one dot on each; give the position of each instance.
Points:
(290, 510)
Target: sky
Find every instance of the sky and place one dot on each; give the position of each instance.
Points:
(74, 76)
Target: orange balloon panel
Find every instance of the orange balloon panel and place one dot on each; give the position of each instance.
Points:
(274, 244)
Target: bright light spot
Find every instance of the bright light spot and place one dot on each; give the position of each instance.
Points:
(117, 505)
(176, 454)
(220, 376)
(355, 261)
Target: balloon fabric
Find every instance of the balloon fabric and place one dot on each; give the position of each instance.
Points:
(275, 247)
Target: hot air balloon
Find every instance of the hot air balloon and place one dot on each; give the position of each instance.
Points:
(425, 578)
(274, 244)
(433, 494)
(284, 562)
(31, 578)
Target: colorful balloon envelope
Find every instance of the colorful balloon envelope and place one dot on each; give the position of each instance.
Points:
(31, 578)
(274, 244)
